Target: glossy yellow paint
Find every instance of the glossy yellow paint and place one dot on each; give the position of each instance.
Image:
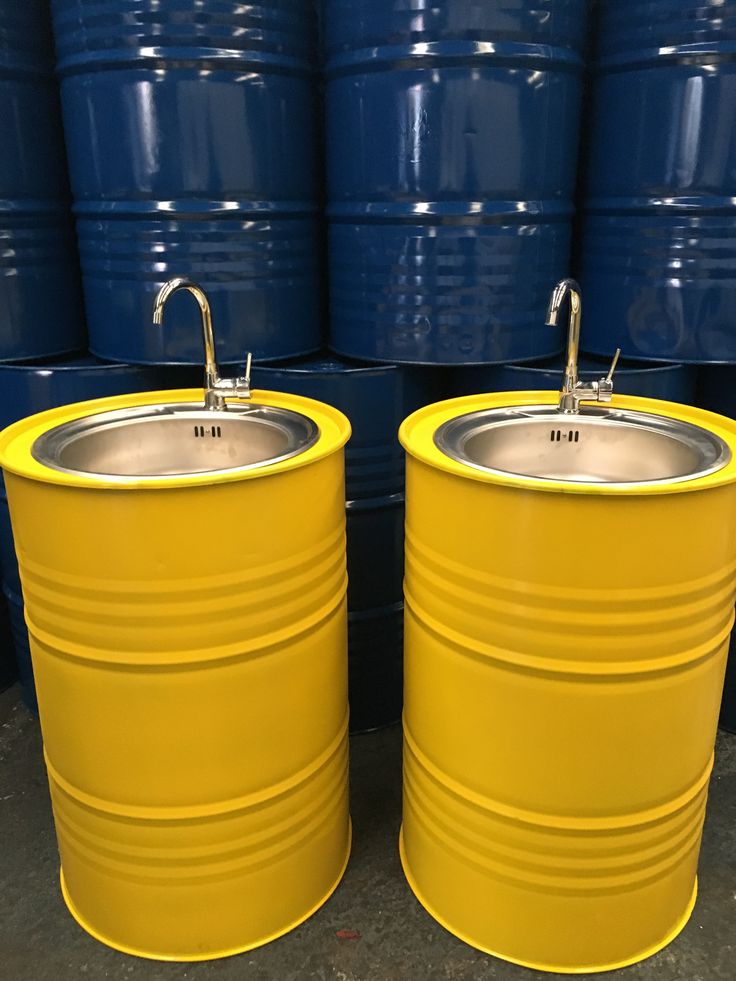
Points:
(564, 658)
(189, 645)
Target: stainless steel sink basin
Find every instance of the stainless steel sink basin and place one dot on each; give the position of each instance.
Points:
(176, 439)
(596, 445)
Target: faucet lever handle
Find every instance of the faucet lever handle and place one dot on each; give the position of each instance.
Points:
(609, 376)
(241, 385)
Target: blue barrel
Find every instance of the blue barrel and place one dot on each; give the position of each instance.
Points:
(376, 400)
(8, 666)
(29, 388)
(375, 646)
(717, 393)
(452, 133)
(191, 135)
(727, 718)
(670, 382)
(40, 300)
(658, 254)
(19, 646)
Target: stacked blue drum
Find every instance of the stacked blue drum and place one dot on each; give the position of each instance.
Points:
(375, 399)
(452, 137)
(658, 253)
(40, 300)
(29, 388)
(39, 279)
(671, 382)
(657, 256)
(191, 136)
(717, 392)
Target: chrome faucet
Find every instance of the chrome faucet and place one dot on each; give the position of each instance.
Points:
(573, 391)
(216, 388)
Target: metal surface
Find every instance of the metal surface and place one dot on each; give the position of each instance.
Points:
(375, 537)
(573, 391)
(366, 23)
(8, 561)
(717, 393)
(451, 152)
(717, 389)
(190, 91)
(375, 667)
(21, 646)
(29, 388)
(36, 386)
(217, 178)
(262, 273)
(561, 704)
(660, 284)
(8, 668)
(611, 446)
(376, 399)
(671, 382)
(40, 302)
(727, 718)
(174, 439)
(32, 163)
(216, 388)
(657, 254)
(189, 646)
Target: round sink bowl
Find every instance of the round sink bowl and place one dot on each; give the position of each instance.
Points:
(598, 445)
(175, 439)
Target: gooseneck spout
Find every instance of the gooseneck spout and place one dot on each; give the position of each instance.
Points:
(572, 390)
(567, 287)
(215, 387)
(211, 372)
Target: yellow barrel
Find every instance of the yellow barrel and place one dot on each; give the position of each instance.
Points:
(564, 658)
(188, 635)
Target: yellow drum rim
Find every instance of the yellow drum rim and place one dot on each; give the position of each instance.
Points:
(417, 434)
(17, 440)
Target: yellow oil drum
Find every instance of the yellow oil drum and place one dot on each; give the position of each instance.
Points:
(564, 658)
(188, 632)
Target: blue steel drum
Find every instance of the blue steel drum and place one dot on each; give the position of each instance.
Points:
(376, 400)
(368, 23)
(20, 648)
(40, 301)
(661, 286)
(8, 561)
(670, 382)
(643, 25)
(658, 256)
(728, 705)
(261, 274)
(451, 152)
(375, 667)
(191, 134)
(29, 388)
(8, 666)
(717, 393)
(435, 290)
(375, 551)
(32, 162)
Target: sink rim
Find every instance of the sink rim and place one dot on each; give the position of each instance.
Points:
(16, 440)
(48, 445)
(464, 424)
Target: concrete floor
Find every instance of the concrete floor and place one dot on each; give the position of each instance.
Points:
(397, 939)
